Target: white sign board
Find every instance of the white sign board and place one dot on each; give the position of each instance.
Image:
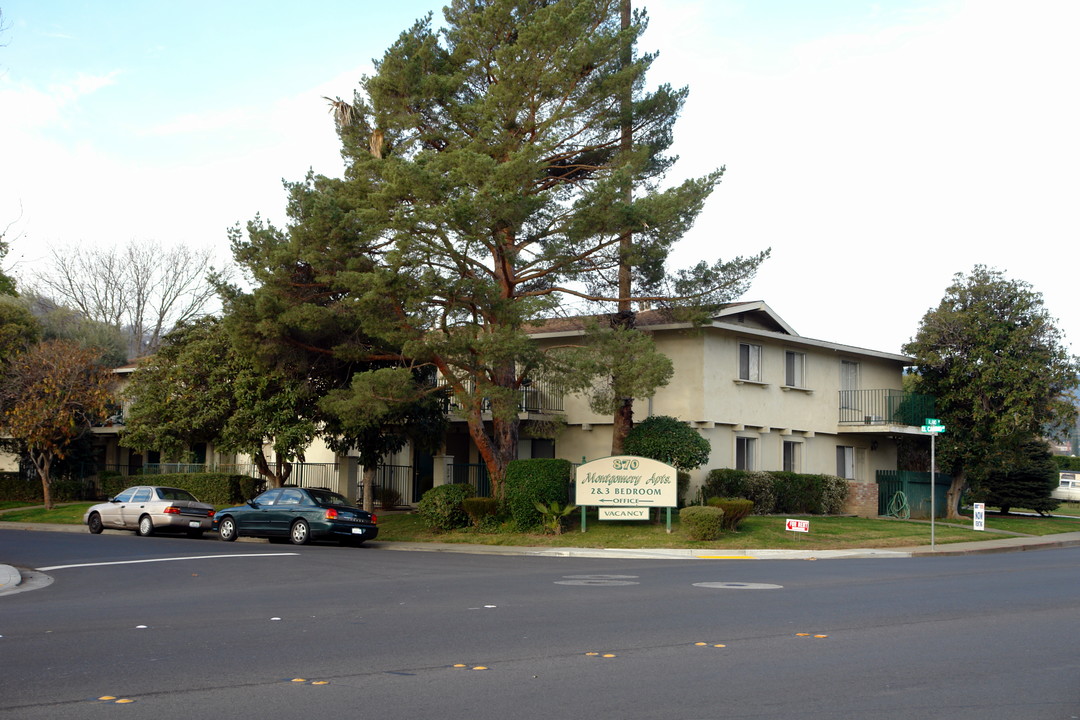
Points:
(979, 516)
(798, 525)
(623, 513)
(626, 481)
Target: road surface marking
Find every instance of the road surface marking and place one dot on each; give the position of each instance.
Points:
(152, 560)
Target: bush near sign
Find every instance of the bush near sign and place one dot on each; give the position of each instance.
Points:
(626, 481)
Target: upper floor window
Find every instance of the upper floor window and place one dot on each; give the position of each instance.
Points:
(749, 362)
(795, 369)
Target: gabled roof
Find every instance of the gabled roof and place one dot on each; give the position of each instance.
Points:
(752, 318)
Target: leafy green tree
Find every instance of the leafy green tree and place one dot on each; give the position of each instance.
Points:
(1025, 484)
(18, 328)
(49, 396)
(304, 320)
(198, 388)
(669, 440)
(997, 364)
(486, 184)
(63, 323)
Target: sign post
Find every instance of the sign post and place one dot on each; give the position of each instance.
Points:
(933, 426)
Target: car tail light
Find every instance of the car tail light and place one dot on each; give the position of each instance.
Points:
(172, 510)
(331, 513)
(374, 520)
(210, 513)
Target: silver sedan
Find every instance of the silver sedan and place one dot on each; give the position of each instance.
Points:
(147, 509)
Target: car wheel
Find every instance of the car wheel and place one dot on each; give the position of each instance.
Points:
(227, 529)
(94, 523)
(146, 526)
(300, 533)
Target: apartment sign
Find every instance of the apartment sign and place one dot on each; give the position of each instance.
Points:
(626, 481)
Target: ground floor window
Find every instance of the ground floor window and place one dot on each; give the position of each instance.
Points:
(792, 453)
(744, 453)
(845, 462)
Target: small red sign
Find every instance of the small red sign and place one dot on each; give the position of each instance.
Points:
(798, 525)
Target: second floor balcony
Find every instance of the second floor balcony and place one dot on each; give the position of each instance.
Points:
(536, 397)
(876, 408)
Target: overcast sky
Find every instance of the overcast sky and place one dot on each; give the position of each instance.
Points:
(877, 147)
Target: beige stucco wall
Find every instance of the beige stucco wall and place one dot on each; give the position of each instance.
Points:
(707, 393)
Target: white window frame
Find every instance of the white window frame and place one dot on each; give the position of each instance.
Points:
(845, 462)
(791, 456)
(745, 453)
(794, 369)
(750, 362)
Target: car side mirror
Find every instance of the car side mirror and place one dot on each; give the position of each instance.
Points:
(252, 503)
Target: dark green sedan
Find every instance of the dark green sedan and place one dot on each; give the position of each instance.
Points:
(299, 514)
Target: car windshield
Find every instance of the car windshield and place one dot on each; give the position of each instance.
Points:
(324, 497)
(175, 494)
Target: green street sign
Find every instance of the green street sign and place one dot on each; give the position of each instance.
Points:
(933, 421)
(933, 428)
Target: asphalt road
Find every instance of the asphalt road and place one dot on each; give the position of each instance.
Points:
(177, 628)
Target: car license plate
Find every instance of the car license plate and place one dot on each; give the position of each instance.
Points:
(358, 531)
(193, 523)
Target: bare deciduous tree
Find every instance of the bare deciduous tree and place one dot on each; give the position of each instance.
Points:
(141, 288)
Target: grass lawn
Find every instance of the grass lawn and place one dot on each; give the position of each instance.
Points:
(826, 533)
(61, 514)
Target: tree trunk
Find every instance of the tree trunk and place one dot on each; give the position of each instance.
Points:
(367, 485)
(276, 477)
(623, 423)
(623, 419)
(42, 463)
(952, 497)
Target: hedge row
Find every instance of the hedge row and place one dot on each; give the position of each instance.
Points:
(779, 492)
(17, 487)
(213, 488)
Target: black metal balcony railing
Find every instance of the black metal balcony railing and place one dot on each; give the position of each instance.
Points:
(540, 397)
(884, 407)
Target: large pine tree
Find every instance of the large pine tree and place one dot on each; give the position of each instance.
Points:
(487, 183)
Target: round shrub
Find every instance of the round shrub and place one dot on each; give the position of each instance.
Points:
(441, 507)
(735, 510)
(669, 440)
(702, 522)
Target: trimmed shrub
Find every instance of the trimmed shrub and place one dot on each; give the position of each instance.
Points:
(760, 487)
(441, 506)
(702, 522)
(669, 440)
(481, 510)
(213, 488)
(725, 482)
(386, 497)
(735, 510)
(834, 493)
(540, 480)
(779, 492)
